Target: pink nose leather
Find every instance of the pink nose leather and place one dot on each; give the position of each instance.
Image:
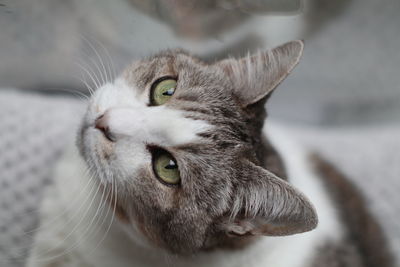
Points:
(102, 125)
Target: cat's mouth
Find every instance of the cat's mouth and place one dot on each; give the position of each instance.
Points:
(97, 150)
(103, 147)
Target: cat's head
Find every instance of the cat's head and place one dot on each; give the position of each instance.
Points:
(177, 138)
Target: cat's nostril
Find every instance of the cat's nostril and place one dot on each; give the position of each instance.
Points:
(102, 125)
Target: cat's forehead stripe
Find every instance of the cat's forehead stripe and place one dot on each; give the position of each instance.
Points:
(142, 73)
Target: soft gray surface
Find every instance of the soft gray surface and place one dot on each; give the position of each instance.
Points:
(33, 131)
(34, 128)
(40, 32)
(350, 69)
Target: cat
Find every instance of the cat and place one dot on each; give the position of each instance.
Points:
(173, 167)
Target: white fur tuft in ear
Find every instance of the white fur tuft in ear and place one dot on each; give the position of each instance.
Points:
(267, 205)
(255, 76)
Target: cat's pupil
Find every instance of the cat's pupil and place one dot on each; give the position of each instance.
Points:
(171, 165)
(169, 92)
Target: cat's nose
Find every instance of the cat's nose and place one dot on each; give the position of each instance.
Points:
(101, 124)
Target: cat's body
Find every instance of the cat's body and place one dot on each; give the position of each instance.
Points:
(117, 250)
(231, 188)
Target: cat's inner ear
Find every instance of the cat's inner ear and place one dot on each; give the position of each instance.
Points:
(255, 76)
(267, 205)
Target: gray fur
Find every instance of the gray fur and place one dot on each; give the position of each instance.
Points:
(227, 192)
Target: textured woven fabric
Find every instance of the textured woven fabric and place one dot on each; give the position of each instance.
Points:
(34, 129)
(32, 134)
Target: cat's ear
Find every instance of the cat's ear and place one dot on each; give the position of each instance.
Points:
(256, 76)
(267, 205)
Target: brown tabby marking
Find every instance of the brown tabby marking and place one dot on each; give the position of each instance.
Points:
(366, 244)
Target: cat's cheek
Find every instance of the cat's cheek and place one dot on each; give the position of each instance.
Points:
(145, 231)
(128, 158)
(137, 230)
(115, 205)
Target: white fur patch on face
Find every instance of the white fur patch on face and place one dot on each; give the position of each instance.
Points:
(128, 116)
(134, 125)
(117, 94)
(154, 125)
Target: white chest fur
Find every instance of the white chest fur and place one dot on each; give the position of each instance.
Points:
(77, 230)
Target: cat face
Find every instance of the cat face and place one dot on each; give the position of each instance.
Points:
(177, 138)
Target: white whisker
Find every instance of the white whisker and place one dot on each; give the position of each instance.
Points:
(111, 68)
(51, 223)
(104, 75)
(115, 199)
(91, 75)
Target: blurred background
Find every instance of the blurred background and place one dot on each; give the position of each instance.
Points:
(343, 100)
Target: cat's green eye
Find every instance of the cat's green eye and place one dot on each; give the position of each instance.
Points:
(162, 90)
(165, 168)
